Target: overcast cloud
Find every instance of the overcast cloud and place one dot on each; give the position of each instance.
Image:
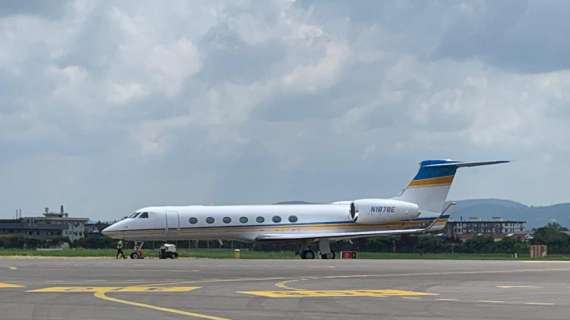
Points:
(111, 106)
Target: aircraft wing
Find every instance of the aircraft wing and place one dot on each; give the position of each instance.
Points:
(334, 235)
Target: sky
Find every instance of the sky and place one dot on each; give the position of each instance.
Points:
(109, 106)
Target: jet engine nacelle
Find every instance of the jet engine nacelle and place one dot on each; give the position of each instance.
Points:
(377, 211)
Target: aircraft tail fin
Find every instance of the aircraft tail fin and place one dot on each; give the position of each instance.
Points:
(429, 188)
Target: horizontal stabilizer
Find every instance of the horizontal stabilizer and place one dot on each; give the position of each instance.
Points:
(467, 164)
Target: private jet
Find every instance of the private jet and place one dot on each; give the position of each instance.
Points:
(421, 207)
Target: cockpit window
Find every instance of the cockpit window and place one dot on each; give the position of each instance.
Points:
(134, 215)
(143, 215)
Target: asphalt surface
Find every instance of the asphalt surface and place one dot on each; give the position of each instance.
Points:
(95, 288)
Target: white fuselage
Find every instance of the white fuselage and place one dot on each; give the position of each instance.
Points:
(425, 194)
(245, 222)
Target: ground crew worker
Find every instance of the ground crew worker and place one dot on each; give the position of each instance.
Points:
(120, 250)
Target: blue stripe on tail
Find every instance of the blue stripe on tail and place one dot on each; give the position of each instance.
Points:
(427, 172)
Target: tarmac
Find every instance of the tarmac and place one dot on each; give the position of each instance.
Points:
(98, 288)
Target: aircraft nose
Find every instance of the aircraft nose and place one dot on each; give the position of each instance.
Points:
(111, 231)
(107, 230)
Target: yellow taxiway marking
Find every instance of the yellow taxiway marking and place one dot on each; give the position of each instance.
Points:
(130, 289)
(101, 293)
(337, 293)
(283, 284)
(4, 285)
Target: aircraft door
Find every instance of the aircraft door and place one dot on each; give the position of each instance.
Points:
(172, 222)
(156, 220)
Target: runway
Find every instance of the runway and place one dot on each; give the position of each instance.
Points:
(97, 288)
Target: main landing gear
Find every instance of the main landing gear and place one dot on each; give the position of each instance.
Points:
(324, 251)
(307, 254)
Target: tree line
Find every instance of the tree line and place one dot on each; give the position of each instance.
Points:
(553, 235)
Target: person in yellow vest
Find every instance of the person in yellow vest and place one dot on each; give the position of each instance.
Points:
(120, 250)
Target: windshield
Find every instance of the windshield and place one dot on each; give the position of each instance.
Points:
(133, 215)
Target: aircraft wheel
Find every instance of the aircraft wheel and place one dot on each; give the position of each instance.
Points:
(308, 254)
(330, 255)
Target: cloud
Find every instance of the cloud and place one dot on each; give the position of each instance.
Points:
(516, 35)
(320, 75)
(33, 7)
(111, 107)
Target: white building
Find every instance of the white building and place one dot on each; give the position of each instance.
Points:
(71, 228)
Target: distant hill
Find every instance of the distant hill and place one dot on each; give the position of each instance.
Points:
(535, 216)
